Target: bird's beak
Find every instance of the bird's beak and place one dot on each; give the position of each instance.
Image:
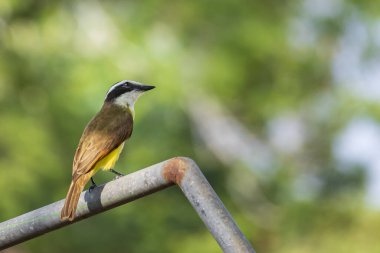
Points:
(139, 86)
(144, 87)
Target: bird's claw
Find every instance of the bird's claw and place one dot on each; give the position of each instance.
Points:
(118, 174)
(117, 177)
(92, 187)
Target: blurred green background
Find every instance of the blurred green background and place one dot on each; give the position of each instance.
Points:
(277, 101)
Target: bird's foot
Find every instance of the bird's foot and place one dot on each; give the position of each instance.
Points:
(93, 186)
(118, 174)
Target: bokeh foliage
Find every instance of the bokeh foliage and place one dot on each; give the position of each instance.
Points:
(58, 58)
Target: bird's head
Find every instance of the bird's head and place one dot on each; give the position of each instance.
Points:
(125, 93)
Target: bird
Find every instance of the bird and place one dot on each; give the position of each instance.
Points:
(103, 140)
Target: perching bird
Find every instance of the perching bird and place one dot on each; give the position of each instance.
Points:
(103, 139)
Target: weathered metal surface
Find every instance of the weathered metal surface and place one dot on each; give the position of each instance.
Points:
(181, 171)
(211, 209)
(175, 169)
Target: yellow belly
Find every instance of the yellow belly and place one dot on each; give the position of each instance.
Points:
(108, 162)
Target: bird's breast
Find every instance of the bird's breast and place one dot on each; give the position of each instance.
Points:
(108, 162)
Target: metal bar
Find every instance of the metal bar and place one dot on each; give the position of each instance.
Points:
(181, 171)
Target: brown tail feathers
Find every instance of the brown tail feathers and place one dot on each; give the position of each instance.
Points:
(72, 198)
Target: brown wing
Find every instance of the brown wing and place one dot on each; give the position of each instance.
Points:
(101, 136)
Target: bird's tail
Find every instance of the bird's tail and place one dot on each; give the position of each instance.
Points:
(72, 198)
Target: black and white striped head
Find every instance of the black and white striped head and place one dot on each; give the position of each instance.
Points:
(125, 93)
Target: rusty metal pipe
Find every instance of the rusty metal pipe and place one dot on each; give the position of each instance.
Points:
(181, 171)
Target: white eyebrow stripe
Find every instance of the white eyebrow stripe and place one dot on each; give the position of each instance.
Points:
(121, 82)
(134, 82)
(115, 85)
